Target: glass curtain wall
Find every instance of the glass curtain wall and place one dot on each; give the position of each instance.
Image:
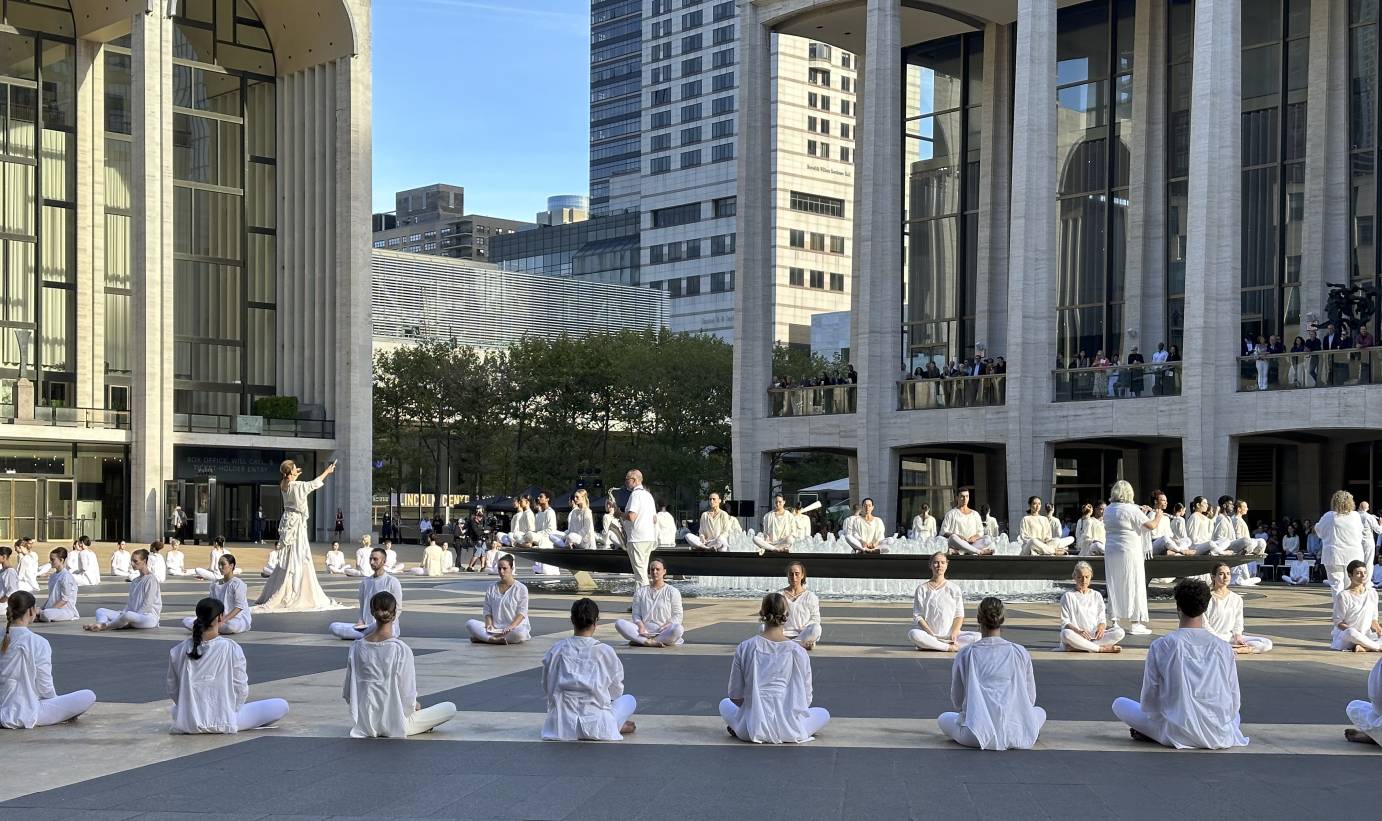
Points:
(119, 205)
(1363, 64)
(943, 135)
(1180, 53)
(1094, 64)
(38, 229)
(225, 252)
(1276, 56)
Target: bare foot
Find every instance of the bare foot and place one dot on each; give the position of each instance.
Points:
(952, 647)
(628, 728)
(809, 647)
(1136, 736)
(1358, 648)
(1242, 649)
(988, 551)
(93, 628)
(1358, 736)
(1112, 648)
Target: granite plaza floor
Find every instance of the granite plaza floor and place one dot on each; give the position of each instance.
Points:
(881, 757)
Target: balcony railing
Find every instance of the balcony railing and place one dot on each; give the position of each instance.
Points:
(1117, 382)
(952, 392)
(818, 401)
(1320, 369)
(253, 425)
(93, 418)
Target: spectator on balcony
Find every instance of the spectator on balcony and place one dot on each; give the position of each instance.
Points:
(1364, 339)
(1135, 362)
(1259, 355)
(853, 375)
(1115, 375)
(1296, 371)
(1334, 338)
(1082, 360)
(1159, 357)
(932, 372)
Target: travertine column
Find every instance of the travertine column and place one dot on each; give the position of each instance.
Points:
(1213, 263)
(995, 183)
(1144, 314)
(91, 226)
(1325, 255)
(1031, 350)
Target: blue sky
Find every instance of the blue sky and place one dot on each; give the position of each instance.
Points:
(492, 95)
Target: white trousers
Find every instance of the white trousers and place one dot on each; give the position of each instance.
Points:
(809, 635)
(353, 571)
(58, 614)
(623, 708)
(668, 636)
(1346, 640)
(261, 713)
(1259, 644)
(1092, 547)
(1162, 545)
(206, 575)
(958, 544)
(347, 631)
(116, 619)
(1074, 641)
(717, 544)
(925, 641)
(1154, 727)
(1293, 580)
(816, 719)
(949, 724)
(64, 707)
(428, 718)
(1049, 547)
(1364, 716)
(760, 541)
(1337, 576)
(639, 555)
(476, 628)
(239, 624)
(337, 571)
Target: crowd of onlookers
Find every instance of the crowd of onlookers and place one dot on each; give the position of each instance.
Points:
(825, 380)
(1307, 371)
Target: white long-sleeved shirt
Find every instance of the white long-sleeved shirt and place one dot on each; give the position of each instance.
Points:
(779, 528)
(1082, 611)
(773, 678)
(923, 527)
(658, 607)
(380, 687)
(335, 560)
(233, 594)
(207, 692)
(372, 585)
(717, 525)
(120, 564)
(9, 582)
(1224, 618)
(937, 609)
(1356, 610)
(26, 676)
(1199, 528)
(666, 528)
(504, 607)
(1342, 536)
(994, 690)
(965, 525)
(146, 596)
(868, 531)
(581, 677)
(1190, 682)
(62, 587)
(1035, 529)
(581, 522)
(802, 611)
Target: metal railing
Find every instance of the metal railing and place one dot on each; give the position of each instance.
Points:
(818, 401)
(91, 418)
(1117, 382)
(1317, 369)
(222, 423)
(952, 392)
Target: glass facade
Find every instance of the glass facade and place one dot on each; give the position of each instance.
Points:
(1363, 146)
(601, 249)
(1180, 54)
(1094, 65)
(119, 205)
(941, 142)
(616, 85)
(1276, 56)
(225, 215)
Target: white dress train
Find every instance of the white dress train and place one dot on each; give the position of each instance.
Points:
(293, 587)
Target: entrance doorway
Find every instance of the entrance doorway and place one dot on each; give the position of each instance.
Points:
(18, 509)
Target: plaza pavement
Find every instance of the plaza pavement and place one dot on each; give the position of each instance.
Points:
(881, 756)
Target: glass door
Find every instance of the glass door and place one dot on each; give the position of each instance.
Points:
(61, 511)
(18, 509)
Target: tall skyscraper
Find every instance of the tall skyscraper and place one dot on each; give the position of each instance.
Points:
(616, 46)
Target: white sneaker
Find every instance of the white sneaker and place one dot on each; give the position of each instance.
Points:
(1139, 629)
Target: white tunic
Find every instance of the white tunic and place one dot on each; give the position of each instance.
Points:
(582, 522)
(1224, 618)
(938, 609)
(62, 586)
(208, 692)
(1222, 529)
(717, 525)
(88, 567)
(523, 522)
(657, 608)
(1177, 526)
(641, 529)
(26, 675)
(362, 558)
(1357, 610)
(1342, 536)
(9, 582)
(158, 567)
(1163, 526)
(431, 559)
(120, 563)
(869, 531)
(544, 525)
(146, 596)
(802, 612)
(1035, 528)
(774, 680)
(233, 594)
(991, 527)
(1300, 570)
(965, 525)
(371, 585)
(1370, 722)
(1124, 561)
(666, 528)
(803, 529)
(1198, 528)
(779, 527)
(504, 607)
(28, 572)
(1082, 611)
(1191, 682)
(335, 560)
(924, 527)
(380, 687)
(581, 677)
(175, 562)
(993, 688)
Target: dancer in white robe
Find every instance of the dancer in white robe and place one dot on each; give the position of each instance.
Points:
(1083, 545)
(27, 566)
(176, 561)
(62, 590)
(657, 613)
(120, 561)
(803, 608)
(1125, 569)
(448, 559)
(584, 683)
(231, 591)
(991, 529)
(769, 698)
(9, 576)
(580, 524)
(665, 527)
(1367, 715)
(522, 525)
(273, 560)
(1355, 614)
(611, 530)
(27, 697)
(803, 520)
(1180, 533)
(1058, 529)
(293, 587)
(431, 559)
(85, 566)
(1224, 618)
(545, 530)
(1341, 533)
(938, 612)
(1198, 526)
(1371, 529)
(963, 529)
(1298, 569)
(391, 562)
(381, 681)
(993, 690)
(361, 566)
(380, 581)
(1083, 620)
(1168, 537)
(867, 535)
(1035, 534)
(717, 528)
(779, 527)
(142, 608)
(505, 612)
(1245, 575)
(208, 681)
(218, 549)
(158, 565)
(335, 560)
(1190, 697)
(923, 526)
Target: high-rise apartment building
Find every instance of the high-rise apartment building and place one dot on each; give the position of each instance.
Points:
(432, 220)
(616, 44)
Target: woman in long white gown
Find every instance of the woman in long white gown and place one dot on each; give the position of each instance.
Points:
(1125, 571)
(1341, 532)
(293, 587)
(1224, 618)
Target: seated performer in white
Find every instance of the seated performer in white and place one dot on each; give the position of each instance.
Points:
(1036, 536)
(1083, 619)
(1090, 534)
(1224, 618)
(1224, 532)
(1198, 526)
(381, 681)
(1180, 543)
(209, 683)
(362, 553)
(27, 697)
(803, 520)
(770, 685)
(506, 610)
(335, 560)
(1245, 575)
(62, 590)
(923, 525)
(1298, 568)
(176, 561)
(233, 595)
(993, 689)
(544, 522)
(448, 559)
(716, 530)
(521, 526)
(158, 565)
(779, 527)
(1168, 537)
(1367, 715)
(1355, 614)
(803, 608)
(867, 535)
(391, 562)
(657, 614)
(580, 524)
(143, 606)
(212, 571)
(665, 526)
(584, 682)
(380, 581)
(271, 562)
(431, 559)
(120, 561)
(938, 612)
(9, 576)
(1190, 696)
(611, 531)
(963, 529)
(85, 566)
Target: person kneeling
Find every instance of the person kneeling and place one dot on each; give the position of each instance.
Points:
(657, 612)
(1190, 695)
(1084, 625)
(506, 610)
(584, 682)
(1367, 715)
(28, 699)
(993, 689)
(770, 685)
(208, 681)
(381, 681)
(143, 606)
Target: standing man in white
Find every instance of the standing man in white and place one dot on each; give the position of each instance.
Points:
(993, 689)
(381, 681)
(379, 581)
(640, 533)
(1190, 696)
(938, 612)
(657, 612)
(230, 590)
(293, 587)
(143, 606)
(584, 682)
(209, 683)
(1083, 623)
(963, 529)
(1037, 536)
(716, 529)
(1341, 531)
(1125, 569)
(28, 699)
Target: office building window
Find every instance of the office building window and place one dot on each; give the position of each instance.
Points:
(837, 245)
(691, 67)
(693, 286)
(690, 113)
(722, 35)
(690, 136)
(722, 105)
(660, 74)
(661, 51)
(722, 82)
(817, 241)
(846, 154)
(693, 249)
(717, 283)
(837, 282)
(818, 51)
(692, 20)
(659, 165)
(818, 76)
(723, 11)
(812, 148)
(660, 142)
(846, 84)
(660, 28)
(724, 152)
(660, 119)
(846, 108)
(690, 44)
(818, 279)
(690, 159)
(674, 289)
(816, 204)
(676, 215)
(722, 58)
(657, 254)
(796, 276)
(725, 206)
(721, 129)
(691, 89)
(796, 238)
(660, 96)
